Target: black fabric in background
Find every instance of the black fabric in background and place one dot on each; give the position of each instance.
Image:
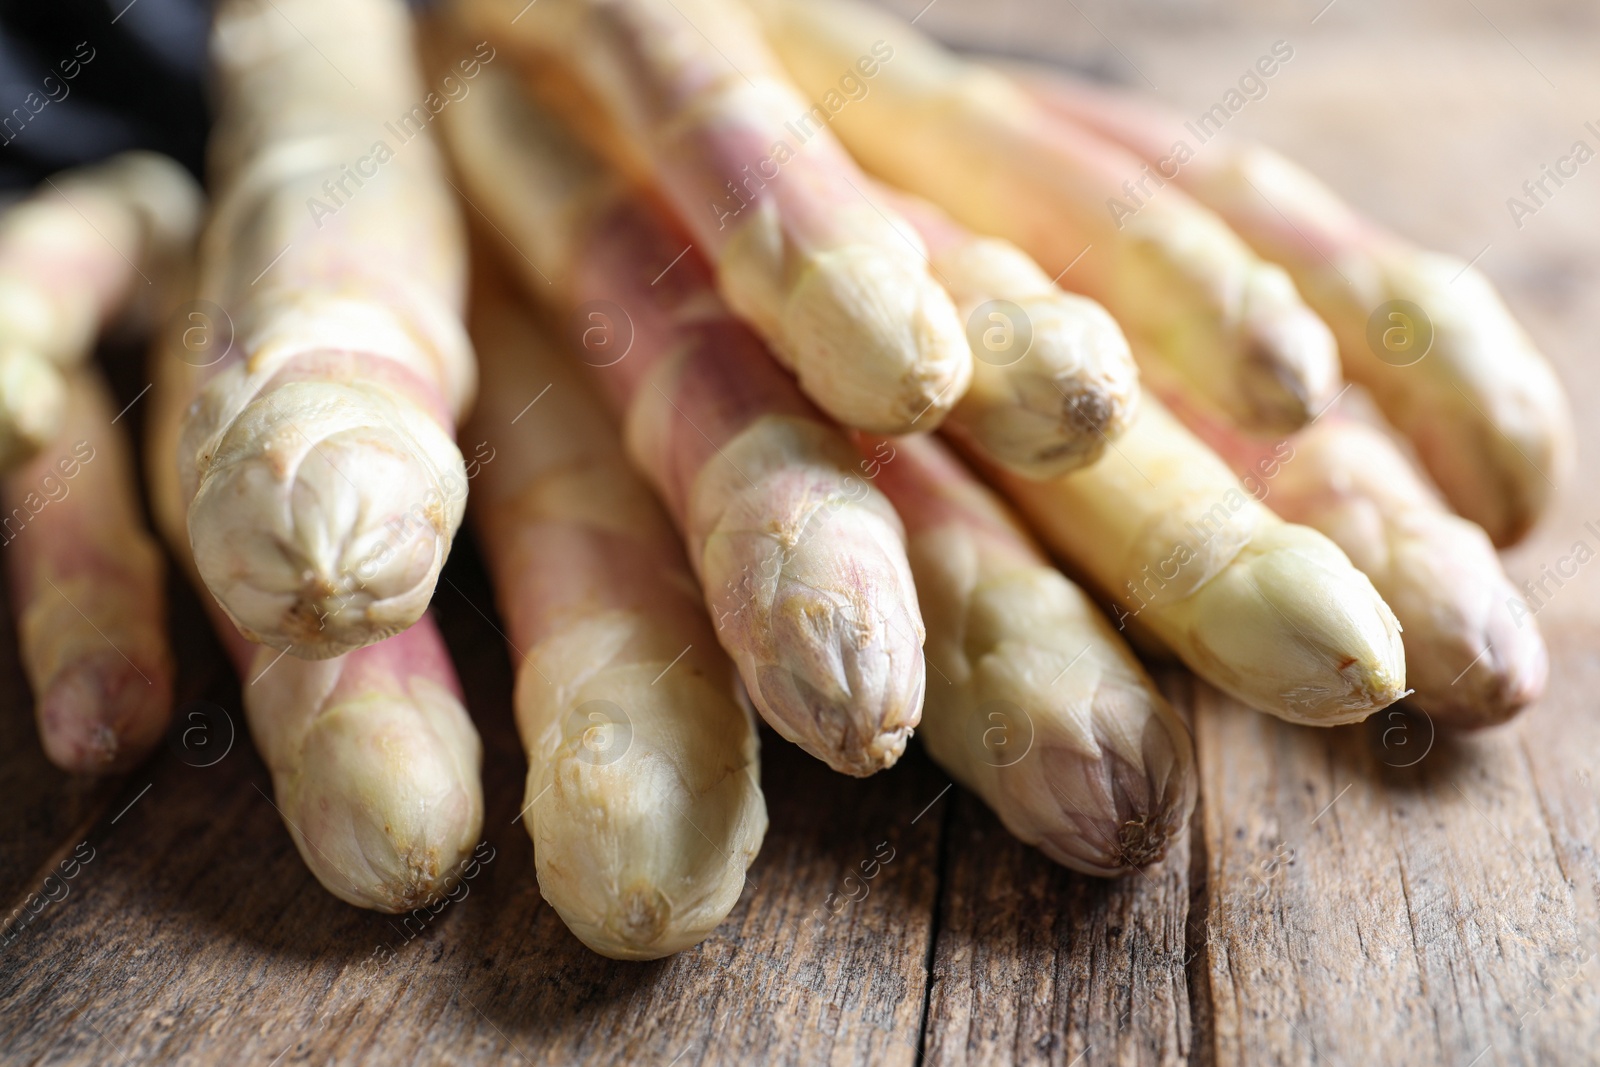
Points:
(142, 89)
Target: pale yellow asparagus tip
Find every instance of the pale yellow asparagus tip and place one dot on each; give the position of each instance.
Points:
(1292, 628)
(1054, 381)
(1112, 784)
(1270, 612)
(101, 707)
(101, 714)
(1291, 371)
(1473, 656)
(325, 515)
(1039, 707)
(168, 199)
(374, 766)
(324, 484)
(1506, 673)
(846, 673)
(1247, 344)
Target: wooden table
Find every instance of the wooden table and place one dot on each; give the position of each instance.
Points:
(1365, 895)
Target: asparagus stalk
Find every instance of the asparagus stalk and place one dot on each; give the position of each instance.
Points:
(1208, 312)
(1462, 380)
(88, 589)
(1053, 380)
(1267, 611)
(1472, 662)
(643, 795)
(802, 562)
(838, 287)
(1037, 706)
(374, 760)
(71, 256)
(324, 484)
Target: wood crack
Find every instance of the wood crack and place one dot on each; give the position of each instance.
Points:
(935, 921)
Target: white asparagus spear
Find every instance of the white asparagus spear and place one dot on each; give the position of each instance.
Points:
(643, 795)
(1209, 312)
(88, 587)
(839, 287)
(1473, 659)
(803, 564)
(1267, 611)
(72, 255)
(1036, 704)
(374, 760)
(324, 482)
(1462, 379)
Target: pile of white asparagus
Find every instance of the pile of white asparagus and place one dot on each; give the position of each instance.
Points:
(734, 263)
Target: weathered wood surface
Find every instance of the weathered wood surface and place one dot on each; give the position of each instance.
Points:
(1372, 904)
(195, 934)
(1349, 897)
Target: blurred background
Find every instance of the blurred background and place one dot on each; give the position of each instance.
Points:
(81, 79)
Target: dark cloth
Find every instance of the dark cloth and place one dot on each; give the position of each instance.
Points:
(83, 79)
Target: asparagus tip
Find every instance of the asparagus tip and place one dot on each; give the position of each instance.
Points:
(384, 802)
(103, 714)
(834, 659)
(1121, 808)
(301, 555)
(1506, 670)
(879, 344)
(32, 402)
(1288, 372)
(858, 734)
(1142, 842)
(1291, 370)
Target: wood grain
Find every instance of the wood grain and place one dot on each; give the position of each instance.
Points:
(1365, 910)
(1036, 964)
